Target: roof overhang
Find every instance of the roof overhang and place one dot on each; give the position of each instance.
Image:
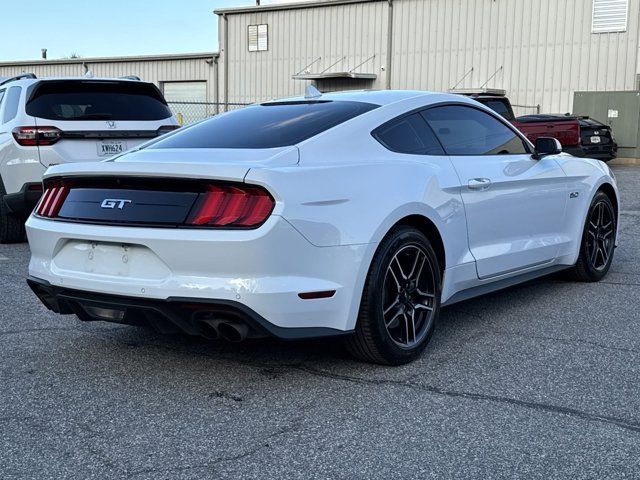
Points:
(335, 75)
(288, 6)
(139, 58)
(493, 92)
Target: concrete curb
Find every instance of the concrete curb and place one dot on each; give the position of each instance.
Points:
(625, 161)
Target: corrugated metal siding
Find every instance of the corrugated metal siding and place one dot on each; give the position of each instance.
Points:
(156, 71)
(297, 38)
(545, 47)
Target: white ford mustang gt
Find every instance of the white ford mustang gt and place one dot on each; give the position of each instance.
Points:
(355, 213)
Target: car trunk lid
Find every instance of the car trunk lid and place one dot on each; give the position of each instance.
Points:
(164, 188)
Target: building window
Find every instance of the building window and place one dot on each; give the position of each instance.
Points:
(609, 16)
(258, 36)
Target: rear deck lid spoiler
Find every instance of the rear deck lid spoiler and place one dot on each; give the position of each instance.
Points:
(214, 164)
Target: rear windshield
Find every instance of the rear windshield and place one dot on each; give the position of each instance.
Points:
(97, 100)
(268, 125)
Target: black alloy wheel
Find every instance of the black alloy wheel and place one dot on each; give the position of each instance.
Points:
(400, 301)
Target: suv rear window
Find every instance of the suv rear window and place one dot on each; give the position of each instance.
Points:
(97, 100)
(499, 106)
(269, 125)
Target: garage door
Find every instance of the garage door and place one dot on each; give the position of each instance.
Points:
(187, 100)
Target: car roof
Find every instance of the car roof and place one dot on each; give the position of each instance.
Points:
(29, 81)
(377, 97)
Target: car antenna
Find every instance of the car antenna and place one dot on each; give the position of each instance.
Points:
(312, 92)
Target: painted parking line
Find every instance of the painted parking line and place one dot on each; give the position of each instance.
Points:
(3, 258)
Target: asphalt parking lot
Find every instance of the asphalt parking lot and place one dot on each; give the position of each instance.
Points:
(539, 381)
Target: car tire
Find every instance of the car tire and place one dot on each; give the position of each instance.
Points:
(598, 241)
(400, 301)
(11, 227)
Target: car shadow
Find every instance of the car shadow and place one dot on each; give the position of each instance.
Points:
(457, 325)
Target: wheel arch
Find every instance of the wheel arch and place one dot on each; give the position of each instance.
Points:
(610, 191)
(429, 229)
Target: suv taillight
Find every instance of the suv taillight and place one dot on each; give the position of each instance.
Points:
(36, 136)
(231, 206)
(52, 199)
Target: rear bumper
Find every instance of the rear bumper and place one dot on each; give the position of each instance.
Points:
(174, 314)
(24, 201)
(599, 152)
(264, 269)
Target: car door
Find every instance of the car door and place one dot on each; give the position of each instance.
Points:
(515, 205)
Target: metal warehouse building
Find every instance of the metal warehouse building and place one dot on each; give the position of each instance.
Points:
(539, 51)
(188, 81)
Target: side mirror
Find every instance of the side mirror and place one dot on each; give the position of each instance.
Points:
(547, 146)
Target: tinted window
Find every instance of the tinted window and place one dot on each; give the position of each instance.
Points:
(468, 131)
(409, 134)
(12, 101)
(268, 125)
(1, 97)
(499, 106)
(97, 100)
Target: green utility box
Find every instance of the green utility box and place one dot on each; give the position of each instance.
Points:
(619, 110)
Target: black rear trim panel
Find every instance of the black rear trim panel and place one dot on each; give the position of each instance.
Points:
(181, 313)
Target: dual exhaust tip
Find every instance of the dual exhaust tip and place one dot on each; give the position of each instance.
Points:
(214, 329)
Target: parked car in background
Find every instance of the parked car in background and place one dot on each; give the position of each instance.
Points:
(52, 121)
(258, 222)
(579, 136)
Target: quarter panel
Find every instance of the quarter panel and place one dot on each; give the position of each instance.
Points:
(584, 177)
(18, 165)
(358, 203)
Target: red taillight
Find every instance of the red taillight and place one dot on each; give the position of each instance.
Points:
(52, 199)
(36, 136)
(231, 206)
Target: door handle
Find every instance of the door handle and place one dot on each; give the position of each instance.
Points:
(479, 184)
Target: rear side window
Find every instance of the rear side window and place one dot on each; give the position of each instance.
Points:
(97, 100)
(1, 97)
(268, 125)
(466, 130)
(11, 104)
(409, 134)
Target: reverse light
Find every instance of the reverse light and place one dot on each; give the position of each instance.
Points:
(231, 206)
(36, 136)
(52, 199)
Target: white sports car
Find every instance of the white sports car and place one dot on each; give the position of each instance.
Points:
(357, 214)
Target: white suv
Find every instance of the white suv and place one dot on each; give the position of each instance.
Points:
(50, 121)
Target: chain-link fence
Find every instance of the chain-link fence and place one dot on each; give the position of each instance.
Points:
(190, 112)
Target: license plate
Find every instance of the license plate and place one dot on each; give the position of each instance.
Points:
(111, 147)
(595, 139)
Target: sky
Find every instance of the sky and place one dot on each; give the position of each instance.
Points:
(104, 28)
